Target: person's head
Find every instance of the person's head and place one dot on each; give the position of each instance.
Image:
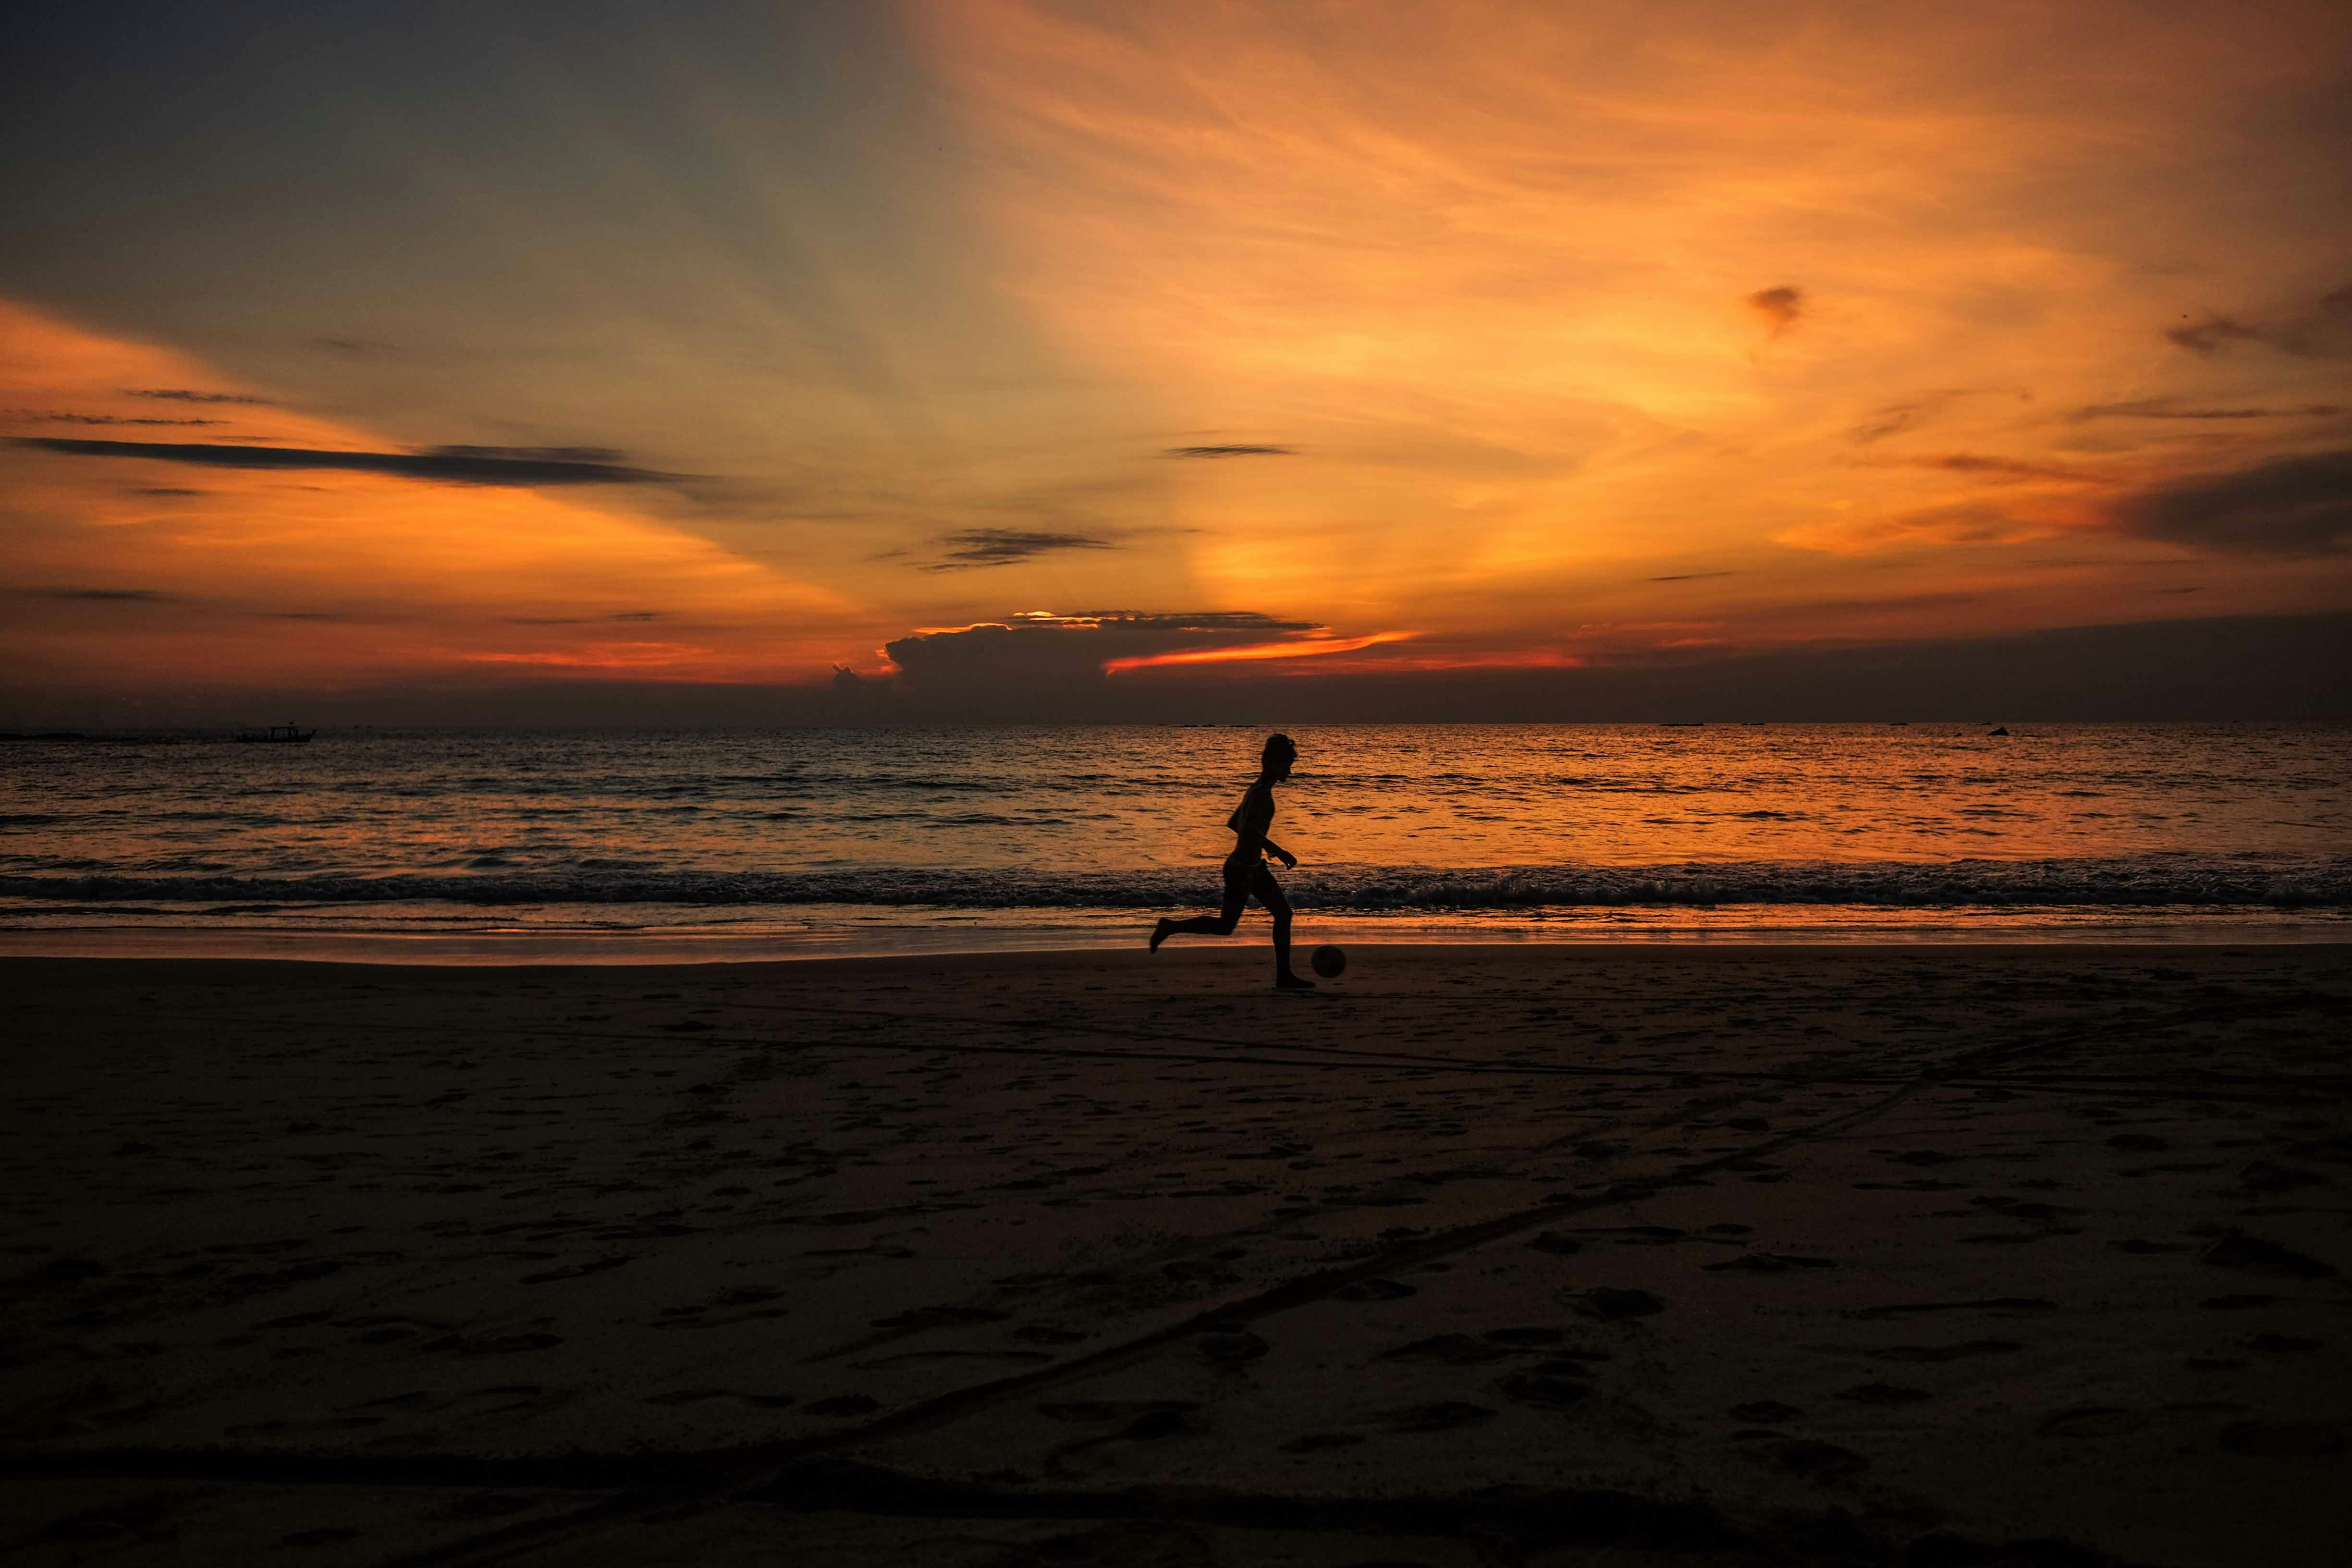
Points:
(1280, 753)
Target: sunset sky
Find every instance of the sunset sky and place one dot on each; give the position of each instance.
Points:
(377, 357)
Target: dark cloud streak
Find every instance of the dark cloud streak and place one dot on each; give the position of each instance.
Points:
(2171, 408)
(2002, 468)
(2291, 506)
(2322, 331)
(519, 466)
(107, 595)
(183, 395)
(103, 419)
(975, 548)
(1235, 450)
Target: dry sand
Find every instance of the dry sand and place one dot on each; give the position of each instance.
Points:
(1662, 1255)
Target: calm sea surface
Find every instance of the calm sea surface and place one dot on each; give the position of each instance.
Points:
(1044, 836)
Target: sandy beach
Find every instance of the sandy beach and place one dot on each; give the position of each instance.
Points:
(1668, 1254)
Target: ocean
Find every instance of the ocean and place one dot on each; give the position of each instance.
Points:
(739, 842)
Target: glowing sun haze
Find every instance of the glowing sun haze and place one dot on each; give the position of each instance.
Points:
(467, 348)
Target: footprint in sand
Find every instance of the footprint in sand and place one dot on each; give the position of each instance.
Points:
(2263, 1176)
(1159, 1420)
(1531, 1337)
(1926, 1355)
(331, 1535)
(576, 1271)
(1883, 1394)
(696, 1396)
(2256, 1256)
(1766, 1263)
(1553, 1389)
(1445, 1415)
(2093, 1421)
(490, 1505)
(1232, 1349)
(1098, 1411)
(1641, 1235)
(1317, 1442)
(282, 1428)
(1816, 1461)
(921, 1358)
(843, 1404)
(1999, 1306)
(940, 1318)
(1613, 1303)
(1448, 1350)
(503, 1344)
(1375, 1290)
(1768, 1412)
(2283, 1439)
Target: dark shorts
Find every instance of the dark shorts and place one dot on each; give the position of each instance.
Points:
(1250, 879)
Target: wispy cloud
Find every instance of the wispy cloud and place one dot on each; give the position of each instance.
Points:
(521, 466)
(40, 419)
(1953, 523)
(2000, 467)
(973, 548)
(1894, 419)
(583, 620)
(2321, 330)
(2292, 507)
(1236, 449)
(184, 394)
(2173, 408)
(2211, 335)
(108, 595)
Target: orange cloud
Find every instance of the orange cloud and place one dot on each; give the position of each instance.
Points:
(1303, 648)
(283, 544)
(1488, 272)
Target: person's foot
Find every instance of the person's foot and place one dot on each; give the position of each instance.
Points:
(1292, 983)
(1160, 933)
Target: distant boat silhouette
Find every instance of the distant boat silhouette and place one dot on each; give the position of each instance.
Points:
(280, 734)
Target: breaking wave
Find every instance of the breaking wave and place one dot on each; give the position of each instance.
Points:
(2166, 880)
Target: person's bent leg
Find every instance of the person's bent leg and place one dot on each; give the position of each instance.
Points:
(1284, 977)
(1222, 923)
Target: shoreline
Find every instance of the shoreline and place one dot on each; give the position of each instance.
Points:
(948, 937)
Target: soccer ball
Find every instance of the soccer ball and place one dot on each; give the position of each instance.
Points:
(1329, 962)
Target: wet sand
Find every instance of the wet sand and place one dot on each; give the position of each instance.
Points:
(1617, 1255)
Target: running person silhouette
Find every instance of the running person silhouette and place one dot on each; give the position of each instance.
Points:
(1246, 877)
